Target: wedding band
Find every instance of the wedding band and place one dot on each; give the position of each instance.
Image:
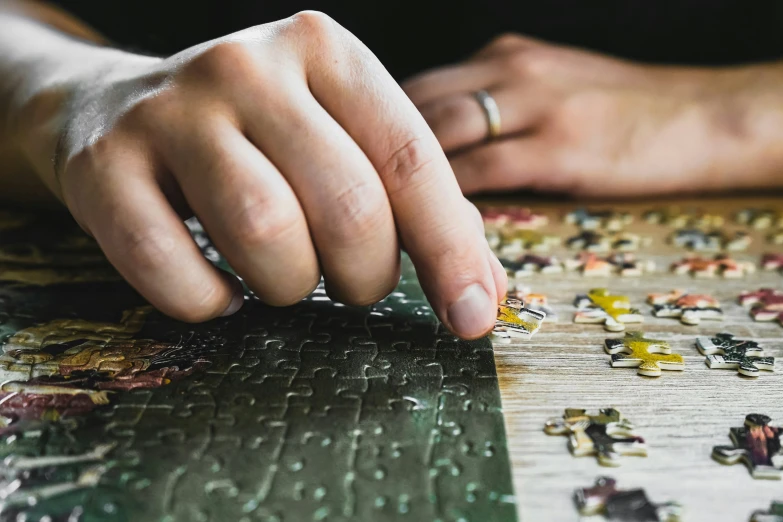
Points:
(491, 111)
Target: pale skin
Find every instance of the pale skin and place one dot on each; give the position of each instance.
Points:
(302, 157)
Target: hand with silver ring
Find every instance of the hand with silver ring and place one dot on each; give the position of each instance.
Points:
(581, 123)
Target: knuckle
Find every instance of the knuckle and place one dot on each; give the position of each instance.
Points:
(361, 208)
(406, 166)
(148, 248)
(505, 40)
(224, 61)
(531, 62)
(314, 25)
(262, 222)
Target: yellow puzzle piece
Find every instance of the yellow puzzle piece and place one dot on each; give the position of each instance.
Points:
(649, 355)
(599, 306)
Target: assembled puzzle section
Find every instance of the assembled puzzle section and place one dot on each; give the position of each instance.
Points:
(111, 411)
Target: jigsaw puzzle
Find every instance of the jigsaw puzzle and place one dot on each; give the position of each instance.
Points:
(533, 301)
(713, 241)
(517, 217)
(677, 218)
(760, 218)
(724, 351)
(609, 220)
(515, 320)
(689, 308)
(621, 263)
(514, 243)
(531, 264)
(766, 304)
(601, 307)
(757, 445)
(607, 435)
(773, 514)
(720, 265)
(631, 505)
(111, 411)
(650, 356)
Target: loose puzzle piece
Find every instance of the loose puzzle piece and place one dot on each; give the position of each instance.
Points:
(599, 306)
(689, 308)
(766, 304)
(517, 217)
(677, 218)
(720, 265)
(772, 261)
(530, 264)
(623, 505)
(514, 320)
(623, 264)
(649, 355)
(533, 301)
(724, 351)
(607, 435)
(591, 241)
(757, 445)
(701, 241)
(603, 219)
(511, 243)
(773, 514)
(760, 218)
(776, 237)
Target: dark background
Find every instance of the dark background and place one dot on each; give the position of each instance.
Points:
(409, 36)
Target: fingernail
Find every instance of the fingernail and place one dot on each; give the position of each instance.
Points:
(237, 300)
(469, 315)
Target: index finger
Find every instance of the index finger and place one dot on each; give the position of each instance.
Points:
(450, 258)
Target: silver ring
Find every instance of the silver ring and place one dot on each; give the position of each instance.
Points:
(491, 111)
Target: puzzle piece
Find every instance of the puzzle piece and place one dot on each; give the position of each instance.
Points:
(677, 218)
(773, 514)
(724, 351)
(689, 308)
(513, 243)
(623, 505)
(530, 264)
(591, 241)
(514, 320)
(766, 304)
(602, 219)
(776, 237)
(757, 445)
(623, 264)
(517, 217)
(706, 268)
(759, 218)
(649, 355)
(772, 261)
(607, 435)
(536, 302)
(599, 306)
(713, 241)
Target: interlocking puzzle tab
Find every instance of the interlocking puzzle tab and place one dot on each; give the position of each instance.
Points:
(599, 306)
(724, 351)
(689, 308)
(773, 514)
(607, 435)
(601, 219)
(757, 445)
(534, 301)
(514, 320)
(766, 304)
(623, 505)
(650, 356)
(706, 268)
(531, 264)
(517, 217)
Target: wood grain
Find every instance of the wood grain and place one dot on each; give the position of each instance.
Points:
(682, 415)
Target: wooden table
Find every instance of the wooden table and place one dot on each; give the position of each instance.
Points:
(682, 415)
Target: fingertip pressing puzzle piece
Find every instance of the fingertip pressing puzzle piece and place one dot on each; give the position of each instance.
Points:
(631, 505)
(607, 435)
(599, 306)
(766, 304)
(707, 268)
(757, 445)
(724, 351)
(514, 320)
(649, 355)
(773, 514)
(689, 308)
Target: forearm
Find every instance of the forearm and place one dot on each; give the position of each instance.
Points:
(40, 66)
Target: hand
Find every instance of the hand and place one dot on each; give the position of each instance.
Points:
(580, 123)
(298, 153)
